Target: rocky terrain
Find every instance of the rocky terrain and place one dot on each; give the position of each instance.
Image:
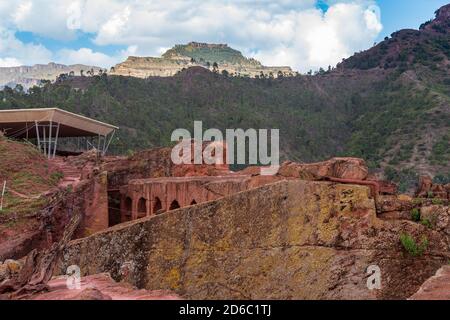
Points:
(289, 240)
(29, 76)
(359, 209)
(310, 232)
(194, 54)
(100, 287)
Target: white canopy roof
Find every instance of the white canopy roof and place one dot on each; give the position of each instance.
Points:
(14, 121)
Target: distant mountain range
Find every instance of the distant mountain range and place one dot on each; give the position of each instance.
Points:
(216, 57)
(29, 76)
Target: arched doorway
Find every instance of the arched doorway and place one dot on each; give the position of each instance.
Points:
(193, 202)
(114, 212)
(157, 207)
(174, 205)
(142, 208)
(128, 207)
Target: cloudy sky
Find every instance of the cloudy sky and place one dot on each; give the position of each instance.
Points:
(304, 34)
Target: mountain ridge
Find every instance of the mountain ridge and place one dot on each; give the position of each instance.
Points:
(29, 76)
(217, 57)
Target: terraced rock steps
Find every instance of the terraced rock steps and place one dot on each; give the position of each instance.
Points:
(71, 174)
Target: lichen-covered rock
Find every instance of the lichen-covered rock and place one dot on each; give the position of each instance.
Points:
(14, 266)
(388, 203)
(438, 216)
(4, 272)
(343, 168)
(395, 215)
(8, 268)
(292, 239)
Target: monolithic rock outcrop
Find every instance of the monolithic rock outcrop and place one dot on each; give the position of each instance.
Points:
(292, 239)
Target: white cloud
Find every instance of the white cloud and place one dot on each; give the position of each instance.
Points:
(13, 51)
(116, 26)
(286, 32)
(89, 57)
(9, 62)
(84, 56)
(42, 17)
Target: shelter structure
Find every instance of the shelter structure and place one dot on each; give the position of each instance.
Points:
(46, 125)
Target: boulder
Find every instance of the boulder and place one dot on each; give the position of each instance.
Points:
(435, 288)
(424, 188)
(438, 216)
(405, 197)
(395, 215)
(427, 189)
(14, 266)
(439, 191)
(9, 268)
(4, 272)
(388, 203)
(91, 294)
(343, 168)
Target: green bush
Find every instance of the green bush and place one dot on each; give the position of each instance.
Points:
(440, 152)
(411, 246)
(405, 178)
(415, 214)
(55, 177)
(442, 178)
(426, 223)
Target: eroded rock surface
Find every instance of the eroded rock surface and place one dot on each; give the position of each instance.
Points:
(435, 288)
(344, 168)
(428, 189)
(99, 287)
(288, 240)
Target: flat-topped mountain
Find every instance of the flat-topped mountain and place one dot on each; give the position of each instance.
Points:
(217, 57)
(204, 52)
(29, 76)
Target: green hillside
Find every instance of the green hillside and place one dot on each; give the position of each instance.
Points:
(394, 112)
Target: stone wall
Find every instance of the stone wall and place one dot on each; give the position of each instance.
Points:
(288, 240)
(96, 205)
(148, 197)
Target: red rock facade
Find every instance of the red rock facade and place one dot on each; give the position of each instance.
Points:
(148, 197)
